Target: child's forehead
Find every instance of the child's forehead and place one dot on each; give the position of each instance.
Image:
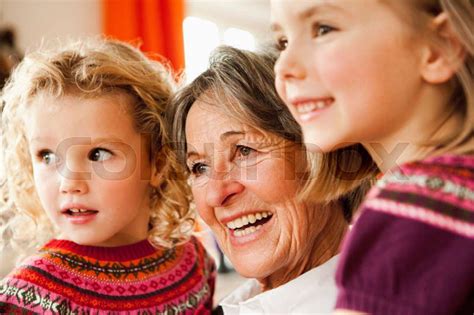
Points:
(305, 9)
(76, 114)
(51, 103)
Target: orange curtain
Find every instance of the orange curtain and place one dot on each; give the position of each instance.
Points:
(157, 24)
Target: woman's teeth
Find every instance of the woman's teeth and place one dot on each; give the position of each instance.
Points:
(246, 231)
(247, 219)
(249, 223)
(308, 107)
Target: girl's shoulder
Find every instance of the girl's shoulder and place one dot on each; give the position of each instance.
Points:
(195, 246)
(23, 285)
(449, 178)
(411, 248)
(438, 191)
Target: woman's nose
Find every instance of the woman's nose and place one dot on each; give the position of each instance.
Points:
(222, 190)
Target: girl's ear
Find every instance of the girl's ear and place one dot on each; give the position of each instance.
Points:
(443, 56)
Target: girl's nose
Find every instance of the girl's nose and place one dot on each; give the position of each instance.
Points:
(73, 186)
(290, 64)
(73, 182)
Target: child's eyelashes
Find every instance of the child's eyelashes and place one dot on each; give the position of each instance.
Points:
(47, 157)
(317, 30)
(99, 155)
(320, 29)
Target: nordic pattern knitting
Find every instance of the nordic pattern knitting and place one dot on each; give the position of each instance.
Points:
(438, 191)
(66, 278)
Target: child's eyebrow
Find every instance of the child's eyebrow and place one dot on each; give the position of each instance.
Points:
(309, 12)
(111, 139)
(39, 139)
(82, 140)
(317, 8)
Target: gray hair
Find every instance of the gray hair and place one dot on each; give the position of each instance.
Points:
(244, 82)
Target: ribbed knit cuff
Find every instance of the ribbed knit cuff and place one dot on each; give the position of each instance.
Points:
(119, 253)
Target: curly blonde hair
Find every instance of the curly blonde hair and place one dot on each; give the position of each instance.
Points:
(91, 68)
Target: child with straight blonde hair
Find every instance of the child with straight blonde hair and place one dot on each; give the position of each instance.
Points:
(87, 163)
(396, 76)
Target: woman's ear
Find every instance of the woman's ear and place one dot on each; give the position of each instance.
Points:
(443, 56)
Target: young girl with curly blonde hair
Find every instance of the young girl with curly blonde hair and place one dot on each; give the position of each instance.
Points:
(87, 163)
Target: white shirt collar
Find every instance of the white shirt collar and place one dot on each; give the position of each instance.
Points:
(314, 292)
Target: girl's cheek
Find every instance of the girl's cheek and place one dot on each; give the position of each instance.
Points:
(335, 73)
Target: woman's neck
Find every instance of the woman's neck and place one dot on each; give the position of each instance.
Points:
(325, 246)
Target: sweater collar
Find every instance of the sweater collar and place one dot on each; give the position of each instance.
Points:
(119, 253)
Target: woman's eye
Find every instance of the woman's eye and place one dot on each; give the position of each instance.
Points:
(244, 151)
(281, 43)
(322, 29)
(99, 155)
(198, 169)
(47, 157)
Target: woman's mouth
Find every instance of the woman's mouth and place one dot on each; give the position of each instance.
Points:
(248, 223)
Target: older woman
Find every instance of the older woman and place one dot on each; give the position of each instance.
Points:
(247, 164)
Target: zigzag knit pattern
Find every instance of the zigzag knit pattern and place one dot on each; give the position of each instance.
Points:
(67, 278)
(438, 191)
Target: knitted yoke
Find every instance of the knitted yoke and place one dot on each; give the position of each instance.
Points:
(67, 278)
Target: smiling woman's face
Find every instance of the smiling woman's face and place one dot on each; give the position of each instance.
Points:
(244, 184)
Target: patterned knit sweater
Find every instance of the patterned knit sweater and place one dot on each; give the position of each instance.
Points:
(411, 251)
(67, 278)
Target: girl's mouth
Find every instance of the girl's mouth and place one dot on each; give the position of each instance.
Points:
(307, 109)
(79, 216)
(76, 212)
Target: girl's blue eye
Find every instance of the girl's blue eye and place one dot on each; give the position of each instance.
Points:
(322, 29)
(198, 169)
(47, 157)
(99, 155)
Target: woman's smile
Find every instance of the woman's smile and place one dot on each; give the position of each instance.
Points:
(247, 227)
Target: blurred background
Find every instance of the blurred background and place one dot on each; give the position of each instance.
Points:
(182, 31)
